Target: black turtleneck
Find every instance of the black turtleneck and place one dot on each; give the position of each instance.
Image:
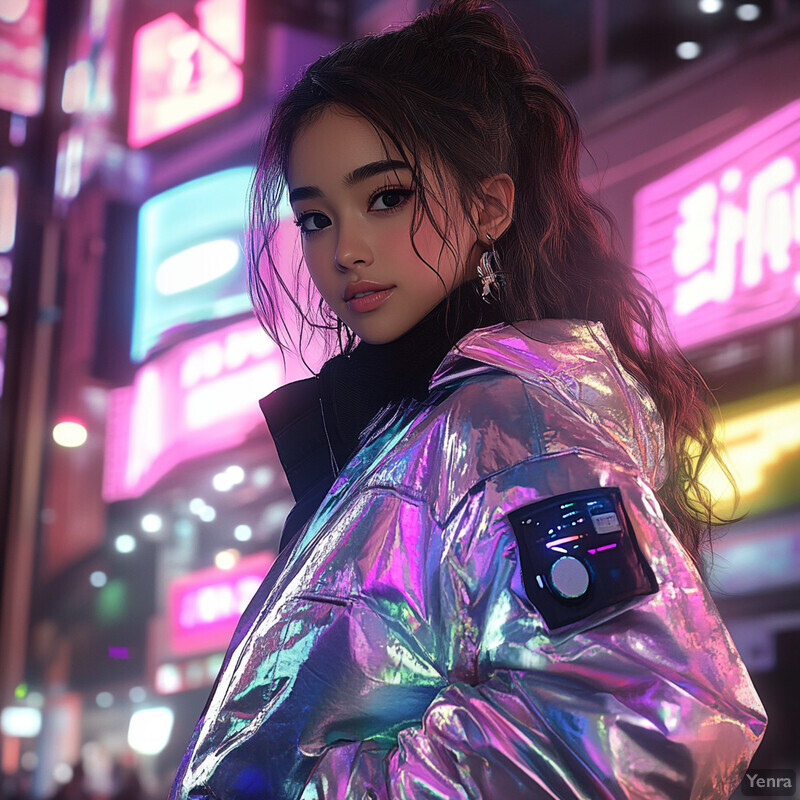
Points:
(316, 422)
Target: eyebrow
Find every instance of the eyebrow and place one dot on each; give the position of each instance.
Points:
(356, 176)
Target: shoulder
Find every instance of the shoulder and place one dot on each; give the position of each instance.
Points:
(571, 359)
(461, 434)
(507, 395)
(574, 385)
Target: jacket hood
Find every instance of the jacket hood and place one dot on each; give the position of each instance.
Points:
(575, 362)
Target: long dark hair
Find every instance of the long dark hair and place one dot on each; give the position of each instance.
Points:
(460, 90)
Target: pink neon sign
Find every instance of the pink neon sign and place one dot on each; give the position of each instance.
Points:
(199, 397)
(22, 56)
(180, 74)
(205, 606)
(720, 237)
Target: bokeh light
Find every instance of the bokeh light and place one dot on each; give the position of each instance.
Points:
(70, 433)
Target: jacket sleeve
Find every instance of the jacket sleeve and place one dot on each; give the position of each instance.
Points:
(645, 698)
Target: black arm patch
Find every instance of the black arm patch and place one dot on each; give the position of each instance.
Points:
(578, 555)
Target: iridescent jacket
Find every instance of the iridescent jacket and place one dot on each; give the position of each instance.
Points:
(488, 604)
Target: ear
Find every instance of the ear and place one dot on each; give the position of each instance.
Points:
(498, 207)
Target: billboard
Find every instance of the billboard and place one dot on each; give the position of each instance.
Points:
(198, 398)
(720, 237)
(761, 436)
(189, 259)
(182, 72)
(204, 606)
(22, 56)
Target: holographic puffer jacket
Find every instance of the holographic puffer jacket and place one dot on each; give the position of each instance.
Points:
(488, 604)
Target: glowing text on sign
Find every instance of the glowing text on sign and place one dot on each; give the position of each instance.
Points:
(205, 606)
(199, 397)
(720, 237)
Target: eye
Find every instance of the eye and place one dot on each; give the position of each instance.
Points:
(312, 222)
(388, 199)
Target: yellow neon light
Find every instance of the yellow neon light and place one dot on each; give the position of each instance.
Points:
(760, 437)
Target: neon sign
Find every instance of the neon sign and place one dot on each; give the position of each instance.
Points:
(190, 266)
(720, 237)
(182, 74)
(22, 56)
(200, 397)
(9, 183)
(9, 187)
(762, 443)
(205, 606)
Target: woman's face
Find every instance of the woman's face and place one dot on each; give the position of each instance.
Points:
(354, 204)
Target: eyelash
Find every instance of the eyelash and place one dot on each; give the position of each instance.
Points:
(392, 189)
(388, 189)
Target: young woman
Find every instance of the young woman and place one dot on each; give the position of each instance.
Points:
(489, 586)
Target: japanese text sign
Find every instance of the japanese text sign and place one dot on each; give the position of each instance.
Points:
(720, 237)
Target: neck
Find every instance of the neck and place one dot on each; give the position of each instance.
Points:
(356, 386)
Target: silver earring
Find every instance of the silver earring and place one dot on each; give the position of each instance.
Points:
(490, 273)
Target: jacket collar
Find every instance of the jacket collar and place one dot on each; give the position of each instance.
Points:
(509, 348)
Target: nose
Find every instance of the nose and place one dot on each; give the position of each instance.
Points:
(352, 247)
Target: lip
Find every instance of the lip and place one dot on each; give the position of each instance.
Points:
(369, 302)
(352, 289)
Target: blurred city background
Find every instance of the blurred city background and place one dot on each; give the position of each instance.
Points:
(141, 499)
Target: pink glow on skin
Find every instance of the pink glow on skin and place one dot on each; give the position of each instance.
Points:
(205, 606)
(720, 237)
(198, 398)
(181, 75)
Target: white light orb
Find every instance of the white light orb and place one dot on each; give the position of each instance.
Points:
(149, 730)
(208, 514)
(137, 694)
(125, 543)
(227, 559)
(235, 474)
(688, 50)
(98, 579)
(243, 533)
(196, 505)
(152, 523)
(70, 433)
(748, 12)
(222, 482)
(62, 773)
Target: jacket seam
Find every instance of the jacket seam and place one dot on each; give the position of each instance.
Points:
(479, 485)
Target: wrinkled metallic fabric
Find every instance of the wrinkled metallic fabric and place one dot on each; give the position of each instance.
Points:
(392, 652)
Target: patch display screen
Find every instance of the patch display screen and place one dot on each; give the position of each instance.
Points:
(579, 555)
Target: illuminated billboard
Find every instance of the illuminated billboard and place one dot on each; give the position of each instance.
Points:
(9, 191)
(22, 56)
(720, 237)
(9, 186)
(200, 397)
(204, 606)
(189, 259)
(762, 448)
(181, 74)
